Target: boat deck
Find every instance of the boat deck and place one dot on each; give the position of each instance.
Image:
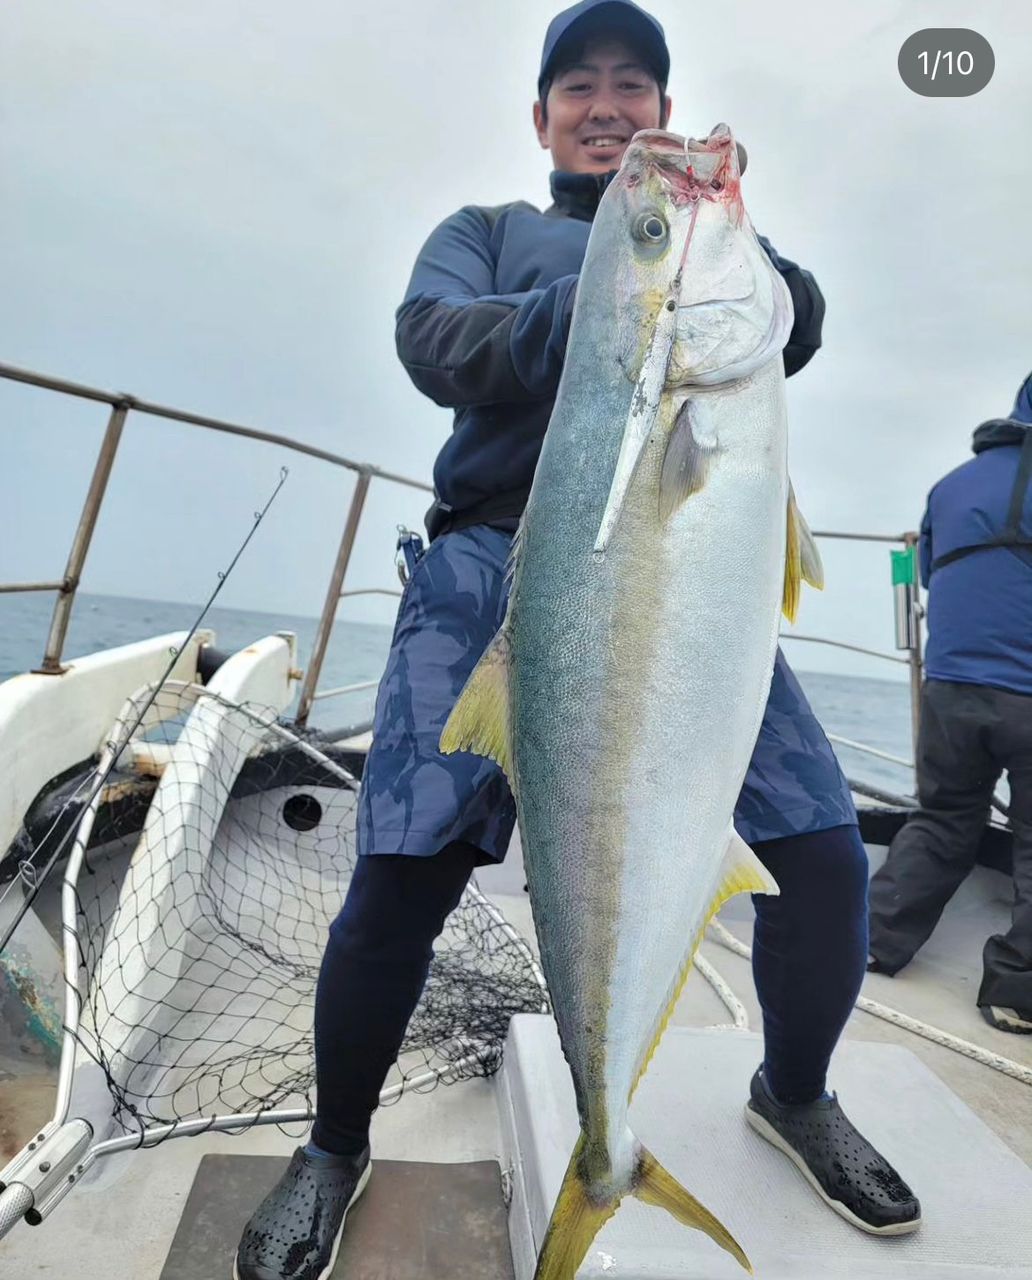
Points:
(124, 1224)
(939, 988)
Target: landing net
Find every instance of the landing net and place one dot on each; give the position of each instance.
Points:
(200, 935)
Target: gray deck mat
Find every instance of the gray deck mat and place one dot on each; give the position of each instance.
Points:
(976, 1194)
(415, 1221)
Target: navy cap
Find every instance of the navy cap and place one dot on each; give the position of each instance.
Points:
(619, 16)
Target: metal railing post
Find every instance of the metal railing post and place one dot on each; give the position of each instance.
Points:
(333, 594)
(915, 654)
(51, 664)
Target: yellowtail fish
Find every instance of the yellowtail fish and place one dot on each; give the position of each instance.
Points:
(624, 693)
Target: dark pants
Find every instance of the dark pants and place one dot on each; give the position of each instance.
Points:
(969, 735)
(809, 955)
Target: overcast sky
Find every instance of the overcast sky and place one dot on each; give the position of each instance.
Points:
(216, 204)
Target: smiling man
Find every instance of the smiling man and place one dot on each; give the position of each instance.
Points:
(595, 105)
(483, 331)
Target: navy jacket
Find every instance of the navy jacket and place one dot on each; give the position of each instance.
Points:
(483, 331)
(980, 601)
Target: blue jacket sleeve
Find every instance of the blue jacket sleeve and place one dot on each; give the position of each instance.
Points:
(808, 302)
(463, 344)
(924, 546)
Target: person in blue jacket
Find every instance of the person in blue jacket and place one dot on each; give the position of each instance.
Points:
(976, 713)
(482, 331)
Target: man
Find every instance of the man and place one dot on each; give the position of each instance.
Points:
(483, 331)
(976, 713)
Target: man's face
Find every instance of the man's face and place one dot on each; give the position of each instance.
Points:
(596, 107)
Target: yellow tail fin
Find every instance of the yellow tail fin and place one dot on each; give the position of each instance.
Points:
(578, 1217)
(657, 1186)
(576, 1220)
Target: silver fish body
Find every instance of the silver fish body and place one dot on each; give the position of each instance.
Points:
(632, 672)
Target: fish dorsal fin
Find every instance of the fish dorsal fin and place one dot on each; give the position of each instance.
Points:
(479, 721)
(810, 562)
(686, 463)
(802, 559)
(740, 872)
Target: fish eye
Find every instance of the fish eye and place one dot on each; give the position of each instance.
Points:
(651, 228)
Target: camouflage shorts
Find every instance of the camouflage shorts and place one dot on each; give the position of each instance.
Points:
(415, 800)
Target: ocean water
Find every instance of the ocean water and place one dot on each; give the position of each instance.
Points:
(357, 650)
(875, 712)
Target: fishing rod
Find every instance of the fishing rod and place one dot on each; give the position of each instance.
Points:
(36, 882)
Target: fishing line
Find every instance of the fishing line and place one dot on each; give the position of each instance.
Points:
(35, 882)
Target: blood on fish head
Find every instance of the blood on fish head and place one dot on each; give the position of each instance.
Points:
(677, 229)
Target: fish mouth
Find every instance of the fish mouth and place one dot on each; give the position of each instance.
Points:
(692, 169)
(659, 141)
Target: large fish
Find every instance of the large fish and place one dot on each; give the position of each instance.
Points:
(624, 693)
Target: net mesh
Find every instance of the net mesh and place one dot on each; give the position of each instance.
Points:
(201, 935)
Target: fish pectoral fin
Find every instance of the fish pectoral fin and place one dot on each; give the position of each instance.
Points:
(686, 463)
(655, 1185)
(740, 872)
(479, 721)
(802, 559)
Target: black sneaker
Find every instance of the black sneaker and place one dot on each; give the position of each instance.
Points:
(836, 1160)
(295, 1232)
(1018, 1021)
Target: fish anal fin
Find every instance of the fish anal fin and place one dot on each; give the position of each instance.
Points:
(686, 463)
(740, 872)
(657, 1186)
(479, 721)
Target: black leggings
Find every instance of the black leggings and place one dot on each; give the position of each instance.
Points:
(809, 956)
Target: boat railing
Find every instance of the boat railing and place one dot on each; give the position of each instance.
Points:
(121, 405)
(870, 751)
(909, 613)
(360, 686)
(908, 605)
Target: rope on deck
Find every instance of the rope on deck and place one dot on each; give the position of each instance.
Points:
(1016, 1070)
(732, 1003)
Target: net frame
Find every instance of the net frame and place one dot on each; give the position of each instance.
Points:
(478, 1060)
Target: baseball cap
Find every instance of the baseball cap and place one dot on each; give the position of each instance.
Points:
(581, 20)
